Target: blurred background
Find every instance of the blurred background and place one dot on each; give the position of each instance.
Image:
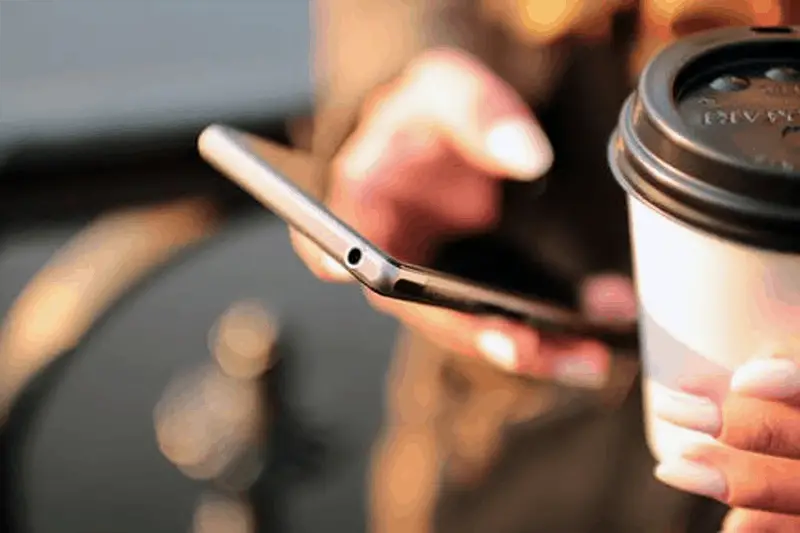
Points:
(166, 362)
(135, 283)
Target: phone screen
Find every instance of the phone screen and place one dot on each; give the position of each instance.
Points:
(488, 259)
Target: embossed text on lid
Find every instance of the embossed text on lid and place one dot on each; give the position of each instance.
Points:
(747, 124)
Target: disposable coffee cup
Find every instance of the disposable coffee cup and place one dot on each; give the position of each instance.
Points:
(708, 150)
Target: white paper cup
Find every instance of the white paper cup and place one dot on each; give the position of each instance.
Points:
(707, 307)
(714, 210)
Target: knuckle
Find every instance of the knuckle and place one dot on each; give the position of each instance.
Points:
(765, 435)
(770, 437)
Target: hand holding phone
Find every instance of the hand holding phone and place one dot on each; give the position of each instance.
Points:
(232, 152)
(412, 173)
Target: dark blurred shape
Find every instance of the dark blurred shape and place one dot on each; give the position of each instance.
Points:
(300, 453)
(488, 260)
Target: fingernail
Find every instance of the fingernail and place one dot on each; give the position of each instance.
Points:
(521, 147)
(498, 348)
(770, 379)
(334, 269)
(689, 411)
(609, 296)
(693, 477)
(579, 371)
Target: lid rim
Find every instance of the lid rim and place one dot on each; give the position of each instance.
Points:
(658, 156)
(665, 176)
(780, 239)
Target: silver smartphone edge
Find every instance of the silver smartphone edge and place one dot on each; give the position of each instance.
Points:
(228, 150)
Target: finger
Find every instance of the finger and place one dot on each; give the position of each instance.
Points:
(761, 413)
(321, 264)
(776, 378)
(749, 521)
(748, 424)
(496, 341)
(760, 426)
(449, 98)
(435, 134)
(408, 220)
(573, 362)
(609, 296)
(508, 345)
(735, 477)
(444, 187)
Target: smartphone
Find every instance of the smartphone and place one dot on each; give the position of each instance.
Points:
(234, 154)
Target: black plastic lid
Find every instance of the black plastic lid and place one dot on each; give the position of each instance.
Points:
(712, 135)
